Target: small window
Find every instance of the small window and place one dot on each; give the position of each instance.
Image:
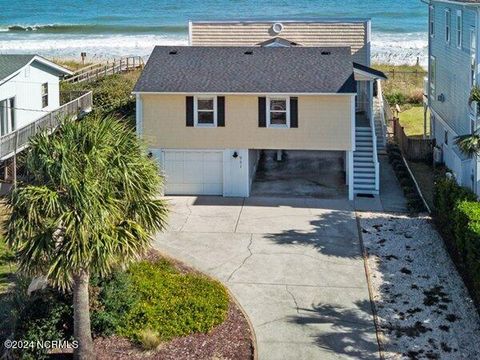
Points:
(433, 76)
(472, 126)
(44, 95)
(432, 21)
(278, 112)
(459, 28)
(448, 25)
(445, 140)
(206, 111)
(473, 56)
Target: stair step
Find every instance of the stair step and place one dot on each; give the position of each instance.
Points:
(364, 175)
(362, 154)
(364, 159)
(362, 182)
(364, 187)
(363, 165)
(364, 148)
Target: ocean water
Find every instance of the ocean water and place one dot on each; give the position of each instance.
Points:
(108, 28)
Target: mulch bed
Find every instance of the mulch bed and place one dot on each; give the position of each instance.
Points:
(229, 340)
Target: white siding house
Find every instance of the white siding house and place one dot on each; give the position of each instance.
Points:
(29, 88)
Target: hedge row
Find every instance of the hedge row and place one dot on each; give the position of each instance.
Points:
(457, 215)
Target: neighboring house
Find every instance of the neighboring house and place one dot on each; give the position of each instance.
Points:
(207, 110)
(29, 88)
(453, 68)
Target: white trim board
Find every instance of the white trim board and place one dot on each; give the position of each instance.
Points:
(240, 93)
(273, 21)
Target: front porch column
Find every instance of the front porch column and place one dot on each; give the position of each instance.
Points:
(349, 173)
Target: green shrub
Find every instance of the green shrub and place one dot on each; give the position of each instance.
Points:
(396, 97)
(43, 315)
(116, 297)
(467, 241)
(447, 194)
(173, 304)
(111, 93)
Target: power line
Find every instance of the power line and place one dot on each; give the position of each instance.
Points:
(25, 109)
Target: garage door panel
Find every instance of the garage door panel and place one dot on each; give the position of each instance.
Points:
(171, 156)
(193, 172)
(213, 157)
(213, 189)
(213, 172)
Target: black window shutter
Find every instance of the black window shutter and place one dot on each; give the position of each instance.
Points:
(262, 116)
(221, 111)
(189, 110)
(294, 112)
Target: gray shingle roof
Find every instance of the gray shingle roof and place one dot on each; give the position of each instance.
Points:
(370, 70)
(11, 63)
(191, 69)
(278, 40)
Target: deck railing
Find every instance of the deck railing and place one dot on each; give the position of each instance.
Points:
(12, 143)
(96, 71)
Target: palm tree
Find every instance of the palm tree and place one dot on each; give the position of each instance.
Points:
(469, 144)
(90, 205)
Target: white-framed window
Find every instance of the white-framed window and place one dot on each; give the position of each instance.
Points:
(448, 25)
(7, 116)
(44, 95)
(278, 112)
(205, 111)
(473, 56)
(459, 28)
(431, 19)
(433, 76)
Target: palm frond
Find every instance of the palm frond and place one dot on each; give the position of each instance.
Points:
(469, 144)
(92, 202)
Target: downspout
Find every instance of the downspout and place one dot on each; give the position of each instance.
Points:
(139, 115)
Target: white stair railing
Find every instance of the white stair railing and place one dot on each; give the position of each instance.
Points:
(374, 145)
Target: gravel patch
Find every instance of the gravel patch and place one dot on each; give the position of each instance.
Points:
(423, 308)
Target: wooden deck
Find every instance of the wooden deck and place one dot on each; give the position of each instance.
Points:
(99, 70)
(16, 141)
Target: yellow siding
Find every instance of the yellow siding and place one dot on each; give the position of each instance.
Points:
(324, 124)
(353, 34)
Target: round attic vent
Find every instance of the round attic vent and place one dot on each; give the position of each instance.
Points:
(277, 28)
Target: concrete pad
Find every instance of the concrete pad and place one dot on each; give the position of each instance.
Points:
(293, 264)
(301, 173)
(391, 193)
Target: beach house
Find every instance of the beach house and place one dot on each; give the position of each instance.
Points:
(453, 67)
(30, 101)
(242, 88)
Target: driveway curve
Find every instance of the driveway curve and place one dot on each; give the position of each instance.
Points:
(294, 265)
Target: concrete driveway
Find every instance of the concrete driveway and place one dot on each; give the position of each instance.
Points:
(293, 264)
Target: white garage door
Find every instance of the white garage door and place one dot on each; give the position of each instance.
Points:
(193, 172)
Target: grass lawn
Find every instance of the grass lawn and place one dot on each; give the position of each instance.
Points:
(412, 121)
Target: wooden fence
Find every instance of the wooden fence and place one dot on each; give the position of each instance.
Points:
(16, 141)
(96, 71)
(412, 147)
